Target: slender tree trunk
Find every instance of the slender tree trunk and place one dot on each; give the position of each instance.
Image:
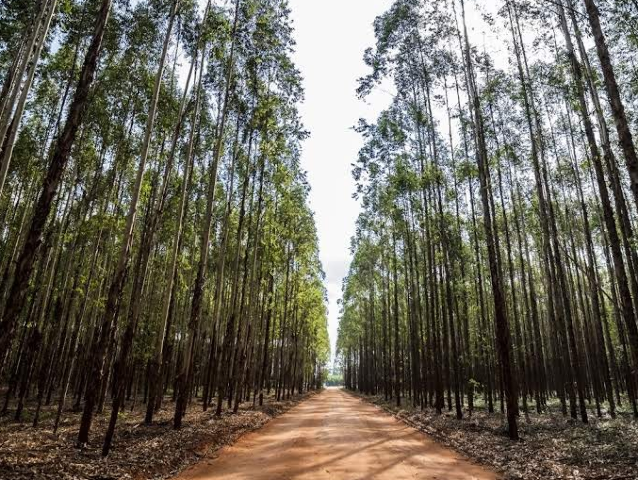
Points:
(615, 101)
(57, 166)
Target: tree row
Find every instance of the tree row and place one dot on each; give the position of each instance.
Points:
(495, 258)
(156, 242)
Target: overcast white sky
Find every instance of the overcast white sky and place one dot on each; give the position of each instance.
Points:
(331, 38)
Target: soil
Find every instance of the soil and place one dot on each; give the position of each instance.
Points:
(552, 446)
(336, 436)
(140, 452)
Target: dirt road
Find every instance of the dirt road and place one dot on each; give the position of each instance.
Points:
(335, 436)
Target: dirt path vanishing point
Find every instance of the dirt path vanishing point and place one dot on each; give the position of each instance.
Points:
(339, 437)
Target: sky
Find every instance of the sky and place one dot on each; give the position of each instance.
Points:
(331, 37)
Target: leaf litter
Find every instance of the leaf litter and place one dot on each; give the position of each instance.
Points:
(552, 447)
(139, 451)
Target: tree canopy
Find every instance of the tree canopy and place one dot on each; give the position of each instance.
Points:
(155, 228)
(495, 256)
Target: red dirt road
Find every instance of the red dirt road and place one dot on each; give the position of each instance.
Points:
(335, 436)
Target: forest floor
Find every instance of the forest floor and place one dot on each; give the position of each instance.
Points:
(552, 447)
(336, 436)
(139, 451)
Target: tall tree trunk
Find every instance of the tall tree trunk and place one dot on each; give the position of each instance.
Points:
(198, 287)
(615, 100)
(148, 241)
(57, 166)
(500, 308)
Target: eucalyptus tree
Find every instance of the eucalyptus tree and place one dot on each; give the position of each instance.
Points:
(59, 158)
(18, 81)
(181, 177)
(518, 138)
